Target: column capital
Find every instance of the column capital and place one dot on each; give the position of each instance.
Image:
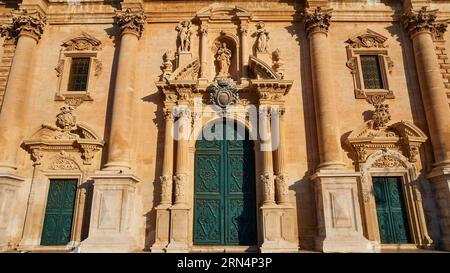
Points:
(317, 20)
(168, 114)
(423, 20)
(243, 29)
(25, 23)
(131, 22)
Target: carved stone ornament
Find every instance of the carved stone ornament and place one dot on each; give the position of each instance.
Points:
(63, 162)
(423, 20)
(82, 42)
(224, 93)
(223, 60)
(184, 36)
(281, 188)
(166, 188)
(317, 20)
(386, 161)
(167, 66)
(268, 187)
(369, 39)
(131, 21)
(67, 135)
(28, 23)
(381, 116)
(180, 182)
(278, 63)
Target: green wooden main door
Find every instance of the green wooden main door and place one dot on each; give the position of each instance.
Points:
(224, 189)
(392, 219)
(59, 212)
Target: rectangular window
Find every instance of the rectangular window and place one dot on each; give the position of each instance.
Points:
(79, 73)
(370, 65)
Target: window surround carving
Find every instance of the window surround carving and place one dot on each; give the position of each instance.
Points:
(80, 46)
(369, 43)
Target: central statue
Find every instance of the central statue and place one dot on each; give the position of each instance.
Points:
(223, 57)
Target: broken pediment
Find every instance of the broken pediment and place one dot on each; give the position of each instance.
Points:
(261, 70)
(187, 72)
(368, 39)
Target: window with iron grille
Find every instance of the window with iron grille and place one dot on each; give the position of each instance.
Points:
(79, 73)
(370, 65)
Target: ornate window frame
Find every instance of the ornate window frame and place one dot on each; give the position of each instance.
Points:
(80, 46)
(369, 43)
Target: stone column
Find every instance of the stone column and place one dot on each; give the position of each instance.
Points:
(422, 26)
(27, 28)
(266, 155)
(131, 25)
(244, 49)
(317, 23)
(179, 227)
(336, 189)
(111, 228)
(204, 50)
(281, 175)
(162, 210)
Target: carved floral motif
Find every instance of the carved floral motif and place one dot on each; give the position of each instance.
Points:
(166, 189)
(423, 20)
(28, 23)
(317, 20)
(268, 187)
(281, 188)
(82, 42)
(386, 161)
(131, 21)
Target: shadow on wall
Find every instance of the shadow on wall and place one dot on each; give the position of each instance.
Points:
(150, 216)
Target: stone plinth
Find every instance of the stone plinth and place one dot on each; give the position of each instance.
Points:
(338, 213)
(111, 215)
(184, 58)
(440, 180)
(278, 229)
(9, 185)
(162, 228)
(179, 229)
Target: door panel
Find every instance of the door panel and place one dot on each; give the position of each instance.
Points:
(224, 177)
(391, 211)
(59, 212)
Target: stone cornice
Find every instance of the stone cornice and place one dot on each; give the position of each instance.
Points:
(131, 22)
(423, 21)
(317, 20)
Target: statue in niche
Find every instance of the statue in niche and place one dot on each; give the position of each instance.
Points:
(184, 36)
(223, 57)
(262, 40)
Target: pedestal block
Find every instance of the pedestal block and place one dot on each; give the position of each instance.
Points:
(112, 214)
(9, 185)
(162, 228)
(440, 180)
(338, 213)
(179, 229)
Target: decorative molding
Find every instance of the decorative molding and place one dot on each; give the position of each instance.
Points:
(82, 42)
(369, 39)
(131, 22)
(317, 20)
(424, 21)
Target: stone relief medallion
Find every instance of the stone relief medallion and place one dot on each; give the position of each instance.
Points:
(224, 93)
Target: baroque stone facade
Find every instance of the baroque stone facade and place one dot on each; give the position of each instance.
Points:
(106, 108)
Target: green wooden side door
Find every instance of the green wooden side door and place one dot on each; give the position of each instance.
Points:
(391, 212)
(59, 212)
(224, 188)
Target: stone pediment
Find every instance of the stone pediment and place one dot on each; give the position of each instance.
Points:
(262, 70)
(67, 135)
(403, 136)
(368, 39)
(82, 41)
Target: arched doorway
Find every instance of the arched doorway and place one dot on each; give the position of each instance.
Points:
(224, 186)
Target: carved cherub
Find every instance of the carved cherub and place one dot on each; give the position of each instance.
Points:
(184, 35)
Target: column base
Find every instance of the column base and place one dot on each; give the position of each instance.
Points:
(162, 229)
(112, 213)
(9, 185)
(278, 230)
(440, 180)
(339, 214)
(179, 229)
